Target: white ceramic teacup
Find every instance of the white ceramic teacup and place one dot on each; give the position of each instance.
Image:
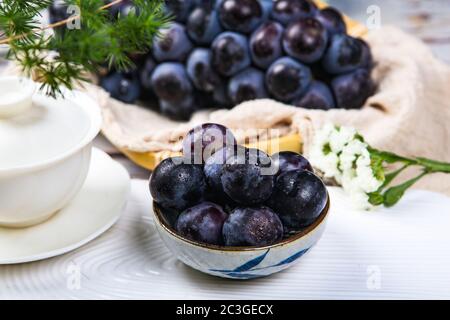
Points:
(45, 150)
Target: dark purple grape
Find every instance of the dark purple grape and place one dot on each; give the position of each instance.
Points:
(213, 170)
(208, 4)
(247, 178)
(202, 223)
(204, 140)
(265, 44)
(220, 95)
(200, 71)
(119, 8)
(122, 9)
(146, 72)
(171, 82)
(168, 215)
(204, 100)
(287, 11)
(230, 53)
(177, 185)
(344, 54)
(172, 45)
(319, 72)
(126, 8)
(317, 96)
(289, 161)
(180, 111)
(332, 20)
(213, 173)
(138, 58)
(254, 227)
(114, 9)
(267, 6)
(58, 11)
(147, 93)
(247, 85)
(150, 99)
(305, 40)
(180, 9)
(367, 58)
(203, 25)
(299, 197)
(122, 86)
(241, 15)
(287, 79)
(352, 90)
(214, 166)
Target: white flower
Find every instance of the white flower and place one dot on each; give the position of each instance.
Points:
(350, 153)
(365, 175)
(339, 138)
(358, 176)
(323, 136)
(330, 166)
(340, 154)
(321, 154)
(360, 200)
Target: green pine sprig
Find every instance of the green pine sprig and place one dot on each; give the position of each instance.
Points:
(77, 52)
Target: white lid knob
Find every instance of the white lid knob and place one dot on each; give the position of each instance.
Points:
(15, 95)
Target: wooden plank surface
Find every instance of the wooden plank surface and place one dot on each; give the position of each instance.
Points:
(429, 20)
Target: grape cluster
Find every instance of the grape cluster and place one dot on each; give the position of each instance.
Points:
(219, 53)
(222, 193)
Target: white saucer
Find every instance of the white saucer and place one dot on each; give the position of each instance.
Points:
(93, 211)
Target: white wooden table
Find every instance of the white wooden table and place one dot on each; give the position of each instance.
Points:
(401, 253)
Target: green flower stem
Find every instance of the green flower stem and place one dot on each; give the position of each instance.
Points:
(389, 195)
(394, 194)
(389, 177)
(428, 164)
(378, 198)
(390, 157)
(434, 166)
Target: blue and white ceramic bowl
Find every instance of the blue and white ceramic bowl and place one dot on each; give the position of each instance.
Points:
(240, 262)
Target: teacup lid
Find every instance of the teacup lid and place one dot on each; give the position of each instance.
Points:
(35, 128)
